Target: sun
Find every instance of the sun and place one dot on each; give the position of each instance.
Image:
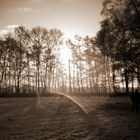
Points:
(65, 55)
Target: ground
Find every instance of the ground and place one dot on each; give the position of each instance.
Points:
(59, 118)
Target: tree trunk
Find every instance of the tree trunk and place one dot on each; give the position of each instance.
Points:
(126, 81)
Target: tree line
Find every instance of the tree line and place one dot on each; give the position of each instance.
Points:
(30, 59)
(30, 63)
(110, 61)
(119, 41)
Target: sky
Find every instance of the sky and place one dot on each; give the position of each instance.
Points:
(72, 17)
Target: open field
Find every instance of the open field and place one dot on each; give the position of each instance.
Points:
(59, 118)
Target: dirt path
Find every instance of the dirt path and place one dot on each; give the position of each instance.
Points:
(57, 118)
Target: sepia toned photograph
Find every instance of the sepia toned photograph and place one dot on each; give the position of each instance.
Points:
(69, 69)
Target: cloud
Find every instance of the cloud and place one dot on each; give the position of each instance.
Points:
(3, 31)
(47, 11)
(11, 10)
(66, 0)
(25, 9)
(36, 1)
(37, 11)
(7, 29)
(11, 26)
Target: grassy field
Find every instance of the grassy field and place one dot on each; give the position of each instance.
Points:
(60, 118)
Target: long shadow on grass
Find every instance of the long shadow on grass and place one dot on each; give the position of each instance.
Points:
(114, 120)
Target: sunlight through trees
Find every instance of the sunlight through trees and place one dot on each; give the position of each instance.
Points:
(40, 60)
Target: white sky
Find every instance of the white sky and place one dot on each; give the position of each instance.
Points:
(70, 16)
